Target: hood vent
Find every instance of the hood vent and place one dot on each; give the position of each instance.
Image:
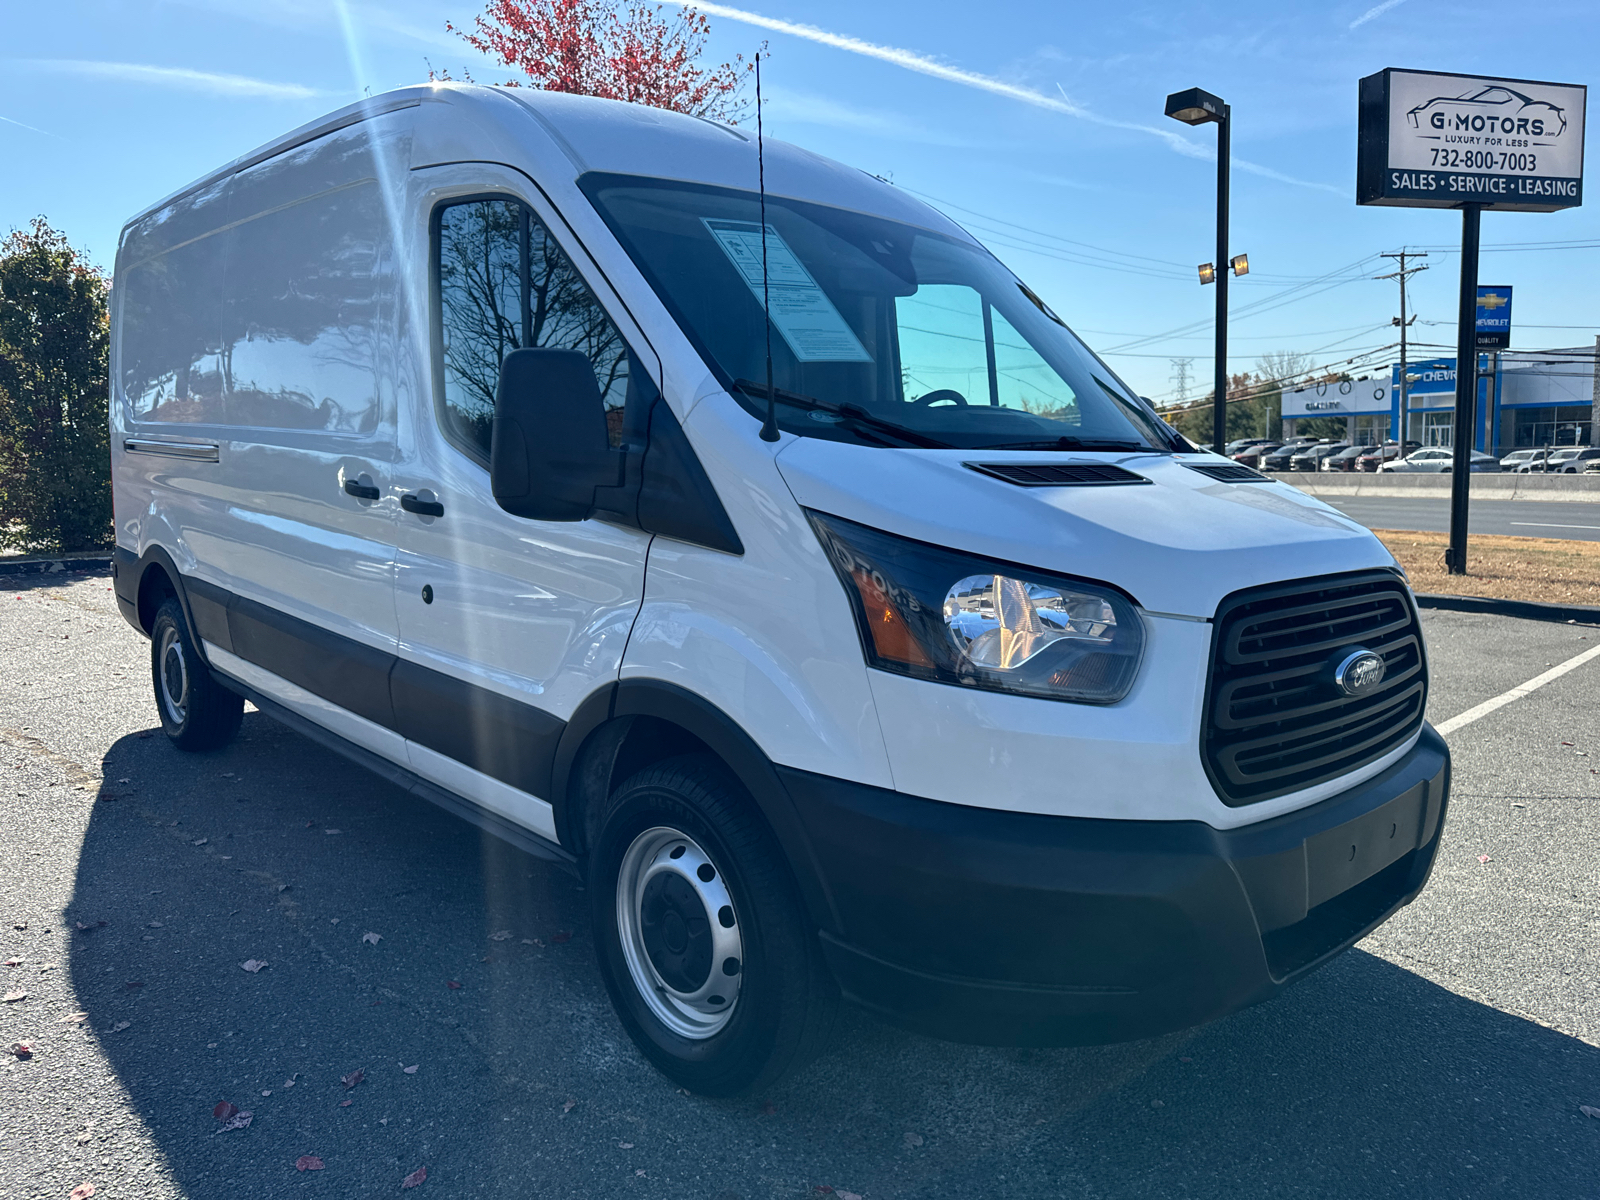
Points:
(1230, 472)
(1082, 474)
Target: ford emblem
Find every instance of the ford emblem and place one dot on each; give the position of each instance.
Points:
(1359, 673)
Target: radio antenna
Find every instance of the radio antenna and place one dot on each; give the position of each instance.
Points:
(769, 427)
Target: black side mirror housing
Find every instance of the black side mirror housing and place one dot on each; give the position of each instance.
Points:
(550, 448)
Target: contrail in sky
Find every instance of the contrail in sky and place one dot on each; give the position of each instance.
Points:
(1377, 10)
(181, 77)
(922, 64)
(9, 121)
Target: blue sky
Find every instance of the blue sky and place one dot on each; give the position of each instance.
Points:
(1038, 125)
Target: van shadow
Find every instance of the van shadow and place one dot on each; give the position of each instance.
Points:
(1365, 1080)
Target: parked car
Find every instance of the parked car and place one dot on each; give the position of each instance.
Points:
(1571, 460)
(1234, 447)
(1547, 459)
(1251, 456)
(1513, 460)
(1592, 467)
(824, 685)
(1375, 456)
(1440, 459)
(1278, 460)
(1344, 460)
(1310, 457)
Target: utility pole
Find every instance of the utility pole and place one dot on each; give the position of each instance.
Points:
(1180, 376)
(1402, 274)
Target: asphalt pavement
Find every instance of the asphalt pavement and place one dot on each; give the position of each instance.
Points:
(1575, 519)
(1447, 1055)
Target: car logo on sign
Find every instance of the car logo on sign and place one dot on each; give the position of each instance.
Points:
(1360, 673)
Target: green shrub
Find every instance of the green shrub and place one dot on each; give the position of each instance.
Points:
(55, 461)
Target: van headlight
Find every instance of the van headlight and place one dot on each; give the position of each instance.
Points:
(956, 618)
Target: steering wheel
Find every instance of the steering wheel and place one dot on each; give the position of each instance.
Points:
(939, 394)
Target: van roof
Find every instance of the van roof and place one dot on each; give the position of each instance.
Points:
(612, 136)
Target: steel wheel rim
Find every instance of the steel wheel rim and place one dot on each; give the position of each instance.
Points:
(662, 878)
(172, 674)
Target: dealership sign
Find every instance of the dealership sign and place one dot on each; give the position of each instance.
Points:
(1438, 140)
(1494, 317)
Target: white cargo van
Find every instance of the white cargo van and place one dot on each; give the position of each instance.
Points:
(976, 695)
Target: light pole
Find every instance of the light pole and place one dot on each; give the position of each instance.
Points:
(1197, 107)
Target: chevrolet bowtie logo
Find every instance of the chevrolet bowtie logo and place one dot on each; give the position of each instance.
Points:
(1493, 301)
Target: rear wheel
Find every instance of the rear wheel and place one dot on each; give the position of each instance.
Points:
(197, 713)
(702, 937)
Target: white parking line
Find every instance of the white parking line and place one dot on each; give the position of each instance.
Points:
(1517, 693)
(1551, 525)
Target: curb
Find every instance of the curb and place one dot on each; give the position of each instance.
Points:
(55, 566)
(1531, 610)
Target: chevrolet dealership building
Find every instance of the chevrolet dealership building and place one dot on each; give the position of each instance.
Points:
(1525, 398)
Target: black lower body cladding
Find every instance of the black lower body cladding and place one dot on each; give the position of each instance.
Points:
(1016, 929)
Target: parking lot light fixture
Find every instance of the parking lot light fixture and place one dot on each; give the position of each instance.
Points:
(1240, 264)
(1208, 273)
(1199, 107)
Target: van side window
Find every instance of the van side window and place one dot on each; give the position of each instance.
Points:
(503, 284)
(303, 342)
(171, 324)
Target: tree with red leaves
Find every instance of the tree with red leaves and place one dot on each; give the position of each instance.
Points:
(618, 49)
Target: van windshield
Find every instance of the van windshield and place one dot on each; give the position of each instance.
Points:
(881, 332)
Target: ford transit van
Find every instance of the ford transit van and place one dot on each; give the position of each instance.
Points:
(775, 559)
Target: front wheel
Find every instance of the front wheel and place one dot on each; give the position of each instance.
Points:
(197, 712)
(703, 941)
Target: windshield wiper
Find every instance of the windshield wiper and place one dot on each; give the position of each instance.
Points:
(850, 413)
(1074, 443)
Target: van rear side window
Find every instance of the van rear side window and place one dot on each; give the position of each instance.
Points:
(169, 308)
(502, 284)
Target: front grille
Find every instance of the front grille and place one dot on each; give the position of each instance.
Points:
(1275, 720)
(1059, 474)
(1230, 472)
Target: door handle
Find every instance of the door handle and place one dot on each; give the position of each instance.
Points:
(413, 503)
(361, 491)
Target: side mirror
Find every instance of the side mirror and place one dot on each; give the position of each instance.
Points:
(550, 449)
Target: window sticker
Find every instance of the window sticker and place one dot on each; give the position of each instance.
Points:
(801, 311)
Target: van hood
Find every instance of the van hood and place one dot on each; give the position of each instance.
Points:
(1177, 545)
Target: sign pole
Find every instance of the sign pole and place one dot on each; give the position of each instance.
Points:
(1466, 389)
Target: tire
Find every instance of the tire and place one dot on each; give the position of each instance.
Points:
(197, 712)
(744, 936)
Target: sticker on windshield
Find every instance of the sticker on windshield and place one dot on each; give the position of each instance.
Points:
(801, 311)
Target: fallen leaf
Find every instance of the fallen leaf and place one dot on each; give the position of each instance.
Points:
(844, 1195)
(252, 965)
(452, 985)
(308, 1162)
(82, 1192)
(201, 842)
(640, 1174)
(560, 937)
(624, 1145)
(154, 925)
(333, 920)
(120, 1026)
(411, 1070)
(486, 958)
(239, 1120)
(415, 1179)
(283, 887)
(289, 1082)
(913, 1140)
(353, 1078)
(531, 942)
(1483, 858)
(15, 962)
(224, 1110)
(1589, 1111)
(372, 938)
(13, 997)
(267, 1092)
(22, 1050)
(346, 1103)
(569, 1106)
(85, 1137)
(124, 781)
(77, 1018)
(501, 936)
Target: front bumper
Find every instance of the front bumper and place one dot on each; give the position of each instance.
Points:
(1007, 928)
